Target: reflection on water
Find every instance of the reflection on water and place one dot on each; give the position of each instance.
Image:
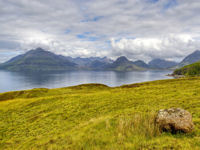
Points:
(11, 81)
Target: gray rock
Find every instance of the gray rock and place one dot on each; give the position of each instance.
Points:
(174, 120)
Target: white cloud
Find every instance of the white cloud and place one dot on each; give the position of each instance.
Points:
(146, 29)
(170, 47)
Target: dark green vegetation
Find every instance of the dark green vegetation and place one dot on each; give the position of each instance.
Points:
(38, 60)
(95, 116)
(189, 70)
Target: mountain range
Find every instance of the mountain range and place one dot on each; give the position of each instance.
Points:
(161, 64)
(123, 64)
(41, 60)
(38, 60)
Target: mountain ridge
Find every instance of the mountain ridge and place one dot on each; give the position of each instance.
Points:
(38, 60)
(123, 64)
(191, 58)
(141, 63)
(42, 60)
(161, 64)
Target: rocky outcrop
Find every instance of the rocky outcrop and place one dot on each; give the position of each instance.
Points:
(174, 120)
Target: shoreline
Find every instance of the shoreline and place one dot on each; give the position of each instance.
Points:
(176, 76)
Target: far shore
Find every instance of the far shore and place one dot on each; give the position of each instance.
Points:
(175, 76)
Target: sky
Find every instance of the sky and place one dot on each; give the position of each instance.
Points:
(137, 29)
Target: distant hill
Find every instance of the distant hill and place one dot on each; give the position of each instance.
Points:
(192, 58)
(38, 60)
(123, 64)
(141, 63)
(42, 60)
(86, 62)
(161, 64)
(189, 70)
(97, 65)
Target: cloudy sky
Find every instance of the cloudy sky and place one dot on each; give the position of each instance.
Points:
(138, 29)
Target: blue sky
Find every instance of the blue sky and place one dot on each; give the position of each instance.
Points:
(138, 29)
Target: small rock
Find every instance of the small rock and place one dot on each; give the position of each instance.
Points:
(174, 120)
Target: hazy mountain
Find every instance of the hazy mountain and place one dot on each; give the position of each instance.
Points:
(123, 64)
(192, 58)
(141, 63)
(42, 60)
(98, 65)
(88, 61)
(161, 64)
(38, 60)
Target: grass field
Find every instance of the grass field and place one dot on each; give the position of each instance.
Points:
(98, 117)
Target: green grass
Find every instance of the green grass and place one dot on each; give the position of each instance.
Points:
(95, 116)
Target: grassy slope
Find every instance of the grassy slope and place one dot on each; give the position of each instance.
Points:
(98, 117)
(189, 70)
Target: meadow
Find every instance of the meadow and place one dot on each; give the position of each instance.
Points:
(96, 117)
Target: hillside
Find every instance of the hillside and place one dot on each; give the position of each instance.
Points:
(189, 70)
(123, 64)
(86, 62)
(97, 65)
(38, 60)
(41, 60)
(141, 64)
(192, 58)
(95, 116)
(161, 64)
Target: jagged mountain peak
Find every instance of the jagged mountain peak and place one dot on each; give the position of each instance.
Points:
(141, 63)
(122, 59)
(38, 50)
(38, 60)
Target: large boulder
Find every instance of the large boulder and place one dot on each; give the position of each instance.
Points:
(174, 120)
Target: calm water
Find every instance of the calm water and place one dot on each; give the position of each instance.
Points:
(12, 81)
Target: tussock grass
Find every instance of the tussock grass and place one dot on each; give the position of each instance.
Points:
(94, 116)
